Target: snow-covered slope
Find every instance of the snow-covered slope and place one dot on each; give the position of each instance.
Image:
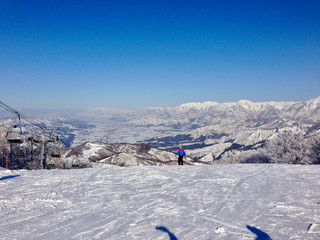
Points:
(121, 154)
(224, 202)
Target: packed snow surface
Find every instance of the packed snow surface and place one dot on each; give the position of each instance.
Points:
(170, 202)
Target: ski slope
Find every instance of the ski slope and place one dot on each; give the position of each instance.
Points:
(170, 202)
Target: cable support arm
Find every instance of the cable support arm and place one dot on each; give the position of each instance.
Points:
(13, 111)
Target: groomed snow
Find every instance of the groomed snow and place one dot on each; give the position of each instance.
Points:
(172, 202)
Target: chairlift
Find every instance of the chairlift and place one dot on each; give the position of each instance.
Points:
(15, 139)
(19, 154)
(18, 150)
(55, 149)
(14, 135)
(75, 163)
(55, 155)
(51, 166)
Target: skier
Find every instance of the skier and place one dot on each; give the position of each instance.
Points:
(181, 153)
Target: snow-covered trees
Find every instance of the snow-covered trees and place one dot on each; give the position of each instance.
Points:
(294, 148)
(313, 151)
(286, 147)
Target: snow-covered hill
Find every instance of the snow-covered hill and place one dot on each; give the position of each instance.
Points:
(121, 154)
(248, 201)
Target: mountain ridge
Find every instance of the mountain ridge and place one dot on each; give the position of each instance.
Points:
(210, 132)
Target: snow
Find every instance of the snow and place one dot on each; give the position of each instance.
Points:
(173, 202)
(205, 106)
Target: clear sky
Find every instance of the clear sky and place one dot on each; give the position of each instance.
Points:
(151, 53)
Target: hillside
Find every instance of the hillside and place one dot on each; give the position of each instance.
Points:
(122, 154)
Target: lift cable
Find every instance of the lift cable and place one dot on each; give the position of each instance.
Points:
(10, 109)
(53, 137)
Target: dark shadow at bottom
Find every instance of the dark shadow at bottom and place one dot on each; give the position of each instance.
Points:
(8, 177)
(260, 235)
(164, 229)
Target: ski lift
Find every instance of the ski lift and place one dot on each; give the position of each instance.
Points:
(19, 152)
(55, 149)
(51, 166)
(17, 148)
(14, 135)
(54, 154)
(15, 139)
(76, 163)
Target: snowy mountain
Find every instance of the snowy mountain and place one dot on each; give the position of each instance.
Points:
(121, 154)
(214, 113)
(214, 131)
(210, 132)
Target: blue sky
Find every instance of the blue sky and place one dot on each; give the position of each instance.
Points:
(136, 54)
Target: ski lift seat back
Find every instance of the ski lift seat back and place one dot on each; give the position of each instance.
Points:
(19, 154)
(55, 150)
(14, 135)
(55, 155)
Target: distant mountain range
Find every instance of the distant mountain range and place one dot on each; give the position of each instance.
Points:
(210, 132)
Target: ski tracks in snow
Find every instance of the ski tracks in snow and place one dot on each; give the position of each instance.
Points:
(185, 202)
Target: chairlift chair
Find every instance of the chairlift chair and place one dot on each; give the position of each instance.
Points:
(55, 155)
(75, 163)
(15, 139)
(14, 135)
(19, 152)
(17, 149)
(55, 150)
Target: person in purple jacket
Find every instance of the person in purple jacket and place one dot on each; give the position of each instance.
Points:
(181, 153)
